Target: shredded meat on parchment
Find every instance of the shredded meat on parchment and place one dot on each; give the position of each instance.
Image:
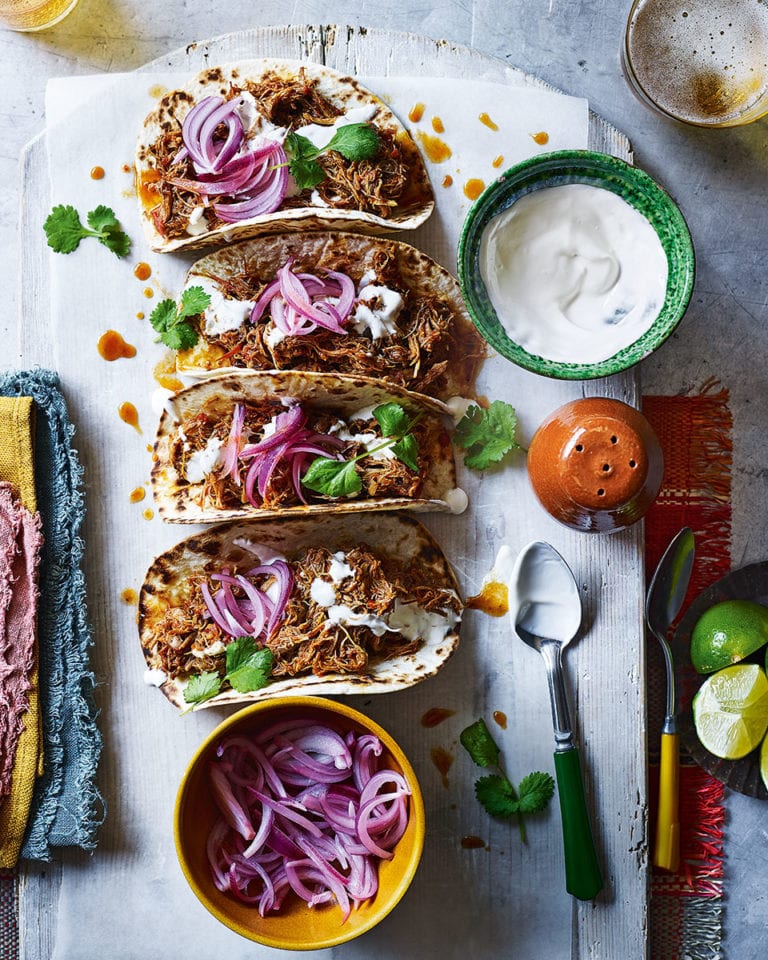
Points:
(185, 641)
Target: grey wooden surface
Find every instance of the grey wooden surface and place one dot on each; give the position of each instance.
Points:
(717, 177)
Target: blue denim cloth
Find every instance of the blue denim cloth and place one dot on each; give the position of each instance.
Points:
(67, 807)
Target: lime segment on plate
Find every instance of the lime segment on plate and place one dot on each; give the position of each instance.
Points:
(727, 633)
(730, 711)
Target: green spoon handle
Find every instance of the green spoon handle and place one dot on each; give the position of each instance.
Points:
(583, 878)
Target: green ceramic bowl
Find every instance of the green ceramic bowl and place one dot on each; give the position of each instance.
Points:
(598, 170)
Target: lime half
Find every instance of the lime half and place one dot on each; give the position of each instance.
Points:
(727, 633)
(730, 711)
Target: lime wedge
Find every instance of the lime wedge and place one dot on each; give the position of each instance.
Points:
(764, 762)
(730, 711)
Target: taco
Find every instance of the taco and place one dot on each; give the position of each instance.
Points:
(288, 443)
(264, 145)
(351, 605)
(336, 302)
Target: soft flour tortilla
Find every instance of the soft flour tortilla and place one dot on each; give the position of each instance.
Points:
(352, 254)
(345, 93)
(346, 394)
(397, 536)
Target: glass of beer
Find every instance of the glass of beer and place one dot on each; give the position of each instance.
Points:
(703, 62)
(34, 14)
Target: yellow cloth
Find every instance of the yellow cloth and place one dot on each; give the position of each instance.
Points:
(17, 467)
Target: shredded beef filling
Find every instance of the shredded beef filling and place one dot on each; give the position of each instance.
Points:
(371, 186)
(388, 477)
(186, 641)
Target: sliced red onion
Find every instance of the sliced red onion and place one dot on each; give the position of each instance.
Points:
(250, 615)
(299, 304)
(326, 851)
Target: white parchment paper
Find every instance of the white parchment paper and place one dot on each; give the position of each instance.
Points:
(130, 899)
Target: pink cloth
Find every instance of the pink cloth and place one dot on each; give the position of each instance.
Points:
(20, 542)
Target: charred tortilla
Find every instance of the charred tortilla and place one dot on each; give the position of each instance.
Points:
(201, 474)
(430, 344)
(390, 191)
(405, 567)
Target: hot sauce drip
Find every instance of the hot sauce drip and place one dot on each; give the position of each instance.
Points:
(149, 292)
(97, 173)
(129, 596)
(140, 315)
(165, 373)
(142, 271)
(130, 415)
(500, 718)
(471, 842)
(484, 118)
(435, 715)
(437, 125)
(447, 180)
(111, 346)
(541, 137)
(146, 188)
(138, 494)
(473, 188)
(436, 149)
(416, 112)
(443, 761)
(493, 599)
(148, 514)
(497, 161)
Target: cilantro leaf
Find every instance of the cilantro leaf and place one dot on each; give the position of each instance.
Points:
(333, 478)
(300, 148)
(305, 169)
(63, 229)
(101, 219)
(479, 744)
(487, 435)
(535, 790)
(355, 141)
(407, 450)
(248, 667)
(201, 687)
(497, 795)
(194, 300)
(392, 419)
(169, 320)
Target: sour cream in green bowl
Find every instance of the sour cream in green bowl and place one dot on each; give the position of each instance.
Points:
(575, 265)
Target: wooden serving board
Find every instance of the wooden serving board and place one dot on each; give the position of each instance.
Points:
(507, 900)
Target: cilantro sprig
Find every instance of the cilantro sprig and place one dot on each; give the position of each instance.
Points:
(172, 321)
(487, 435)
(496, 791)
(354, 141)
(248, 668)
(339, 478)
(64, 230)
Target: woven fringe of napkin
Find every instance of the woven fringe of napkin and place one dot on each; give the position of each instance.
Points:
(67, 807)
(686, 909)
(17, 469)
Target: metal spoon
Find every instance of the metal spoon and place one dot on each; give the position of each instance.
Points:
(665, 598)
(545, 607)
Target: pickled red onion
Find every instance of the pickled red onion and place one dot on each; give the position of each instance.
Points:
(299, 304)
(253, 614)
(331, 835)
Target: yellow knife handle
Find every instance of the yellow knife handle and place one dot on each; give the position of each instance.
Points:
(666, 852)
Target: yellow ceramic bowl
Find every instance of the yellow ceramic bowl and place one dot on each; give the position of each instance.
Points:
(295, 926)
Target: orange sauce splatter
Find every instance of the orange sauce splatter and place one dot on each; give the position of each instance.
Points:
(150, 448)
(497, 161)
(437, 125)
(140, 315)
(149, 292)
(111, 346)
(129, 596)
(127, 168)
(493, 599)
(165, 373)
(473, 188)
(471, 842)
(147, 189)
(443, 761)
(142, 271)
(148, 514)
(541, 137)
(416, 112)
(130, 415)
(138, 494)
(484, 118)
(436, 149)
(500, 718)
(435, 715)
(447, 180)
(97, 173)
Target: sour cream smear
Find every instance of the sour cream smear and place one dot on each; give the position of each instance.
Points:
(574, 273)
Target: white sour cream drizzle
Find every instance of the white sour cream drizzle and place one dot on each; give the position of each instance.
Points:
(321, 134)
(202, 462)
(155, 677)
(574, 273)
(409, 619)
(222, 313)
